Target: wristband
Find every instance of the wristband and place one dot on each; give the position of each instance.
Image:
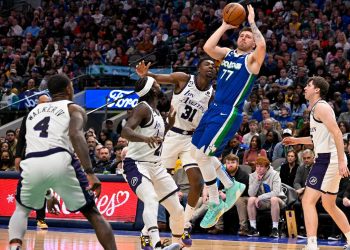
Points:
(50, 195)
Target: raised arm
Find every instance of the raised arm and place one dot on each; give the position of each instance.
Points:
(177, 78)
(256, 59)
(211, 48)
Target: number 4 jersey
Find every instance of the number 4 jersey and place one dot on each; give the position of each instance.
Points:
(47, 127)
(190, 104)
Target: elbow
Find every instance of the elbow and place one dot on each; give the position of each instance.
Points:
(207, 48)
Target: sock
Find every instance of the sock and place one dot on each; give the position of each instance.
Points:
(154, 234)
(188, 215)
(275, 224)
(252, 223)
(223, 176)
(144, 231)
(213, 193)
(347, 235)
(312, 243)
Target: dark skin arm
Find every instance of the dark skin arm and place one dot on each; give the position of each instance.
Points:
(141, 113)
(21, 143)
(76, 134)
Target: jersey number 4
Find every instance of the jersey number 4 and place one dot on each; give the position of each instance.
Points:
(43, 126)
(189, 113)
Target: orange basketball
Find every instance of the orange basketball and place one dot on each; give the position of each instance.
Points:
(234, 14)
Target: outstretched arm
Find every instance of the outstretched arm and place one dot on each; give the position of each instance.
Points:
(256, 59)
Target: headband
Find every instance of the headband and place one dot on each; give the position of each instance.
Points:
(147, 87)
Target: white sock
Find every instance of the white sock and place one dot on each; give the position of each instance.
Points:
(223, 176)
(312, 243)
(188, 215)
(347, 236)
(275, 224)
(154, 234)
(252, 223)
(144, 231)
(213, 193)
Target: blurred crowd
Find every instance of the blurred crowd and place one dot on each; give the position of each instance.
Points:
(304, 38)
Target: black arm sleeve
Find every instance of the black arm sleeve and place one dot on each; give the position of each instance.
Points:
(21, 141)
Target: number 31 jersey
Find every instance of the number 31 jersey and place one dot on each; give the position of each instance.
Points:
(47, 127)
(190, 104)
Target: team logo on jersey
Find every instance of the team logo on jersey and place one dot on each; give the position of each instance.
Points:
(313, 180)
(134, 181)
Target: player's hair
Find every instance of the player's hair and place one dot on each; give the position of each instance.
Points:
(245, 29)
(231, 157)
(140, 83)
(204, 58)
(321, 83)
(262, 161)
(58, 83)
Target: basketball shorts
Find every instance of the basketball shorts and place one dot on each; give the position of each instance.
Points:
(178, 146)
(217, 127)
(57, 169)
(324, 175)
(135, 172)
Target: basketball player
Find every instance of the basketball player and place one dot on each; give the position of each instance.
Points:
(190, 100)
(54, 131)
(236, 76)
(330, 164)
(145, 130)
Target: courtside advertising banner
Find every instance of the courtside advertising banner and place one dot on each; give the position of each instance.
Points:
(117, 202)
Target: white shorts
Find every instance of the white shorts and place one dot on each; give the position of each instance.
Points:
(324, 175)
(178, 146)
(58, 171)
(137, 171)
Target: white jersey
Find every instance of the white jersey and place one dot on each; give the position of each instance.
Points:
(47, 127)
(322, 139)
(141, 151)
(190, 105)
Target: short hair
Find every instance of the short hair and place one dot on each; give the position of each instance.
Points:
(204, 58)
(253, 122)
(308, 151)
(321, 83)
(245, 29)
(57, 83)
(10, 131)
(262, 161)
(231, 157)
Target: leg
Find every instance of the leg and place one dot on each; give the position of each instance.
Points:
(329, 204)
(275, 210)
(242, 210)
(252, 216)
(310, 198)
(102, 228)
(18, 224)
(40, 217)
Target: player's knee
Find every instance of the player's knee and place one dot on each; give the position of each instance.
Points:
(251, 201)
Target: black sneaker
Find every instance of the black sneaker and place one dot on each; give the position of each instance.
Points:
(274, 233)
(334, 237)
(253, 232)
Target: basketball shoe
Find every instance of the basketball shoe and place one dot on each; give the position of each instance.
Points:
(186, 238)
(213, 214)
(233, 193)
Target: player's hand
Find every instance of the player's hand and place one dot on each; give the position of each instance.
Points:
(171, 116)
(251, 14)
(343, 169)
(94, 184)
(142, 68)
(257, 202)
(17, 162)
(346, 202)
(227, 26)
(153, 141)
(289, 141)
(53, 206)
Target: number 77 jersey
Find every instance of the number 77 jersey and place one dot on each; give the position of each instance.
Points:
(190, 104)
(47, 127)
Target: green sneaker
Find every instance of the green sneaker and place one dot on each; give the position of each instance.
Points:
(233, 193)
(213, 214)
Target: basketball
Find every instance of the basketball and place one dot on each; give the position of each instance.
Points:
(234, 14)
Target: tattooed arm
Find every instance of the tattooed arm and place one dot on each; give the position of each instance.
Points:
(256, 59)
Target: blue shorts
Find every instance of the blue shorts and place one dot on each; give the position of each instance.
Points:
(217, 127)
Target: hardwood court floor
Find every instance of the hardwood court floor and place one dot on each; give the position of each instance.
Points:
(70, 240)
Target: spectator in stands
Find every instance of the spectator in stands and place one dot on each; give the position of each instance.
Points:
(344, 128)
(254, 151)
(280, 102)
(289, 169)
(280, 150)
(4, 146)
(345, 116)
(235, 147)
(297, 107)
(284, 81)
(118, 158)
(253, 128)
(251, 106)
(103, 136)
(91, 142)
(265, 193)
(284, 117)
(272, 139)
(104, 165)
(111, 134)
(11, 140)
(7, 161)
(122, 141)
(244, 128)
(264, 105)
